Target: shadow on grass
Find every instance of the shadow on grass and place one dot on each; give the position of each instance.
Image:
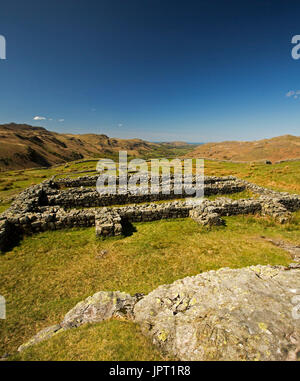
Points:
(127, 228)
(12, 241)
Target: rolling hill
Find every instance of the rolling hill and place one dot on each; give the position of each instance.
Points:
(25, 146)
(279, 148)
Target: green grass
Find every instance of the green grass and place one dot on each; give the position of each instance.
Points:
(234, 196)
(284, 177)
(112, 340)
(48, 273)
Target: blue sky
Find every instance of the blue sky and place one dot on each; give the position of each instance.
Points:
(158, 70)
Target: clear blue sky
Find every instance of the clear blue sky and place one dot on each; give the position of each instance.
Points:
(154, 69)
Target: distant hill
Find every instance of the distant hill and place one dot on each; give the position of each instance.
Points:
(25, 146)
(280, 148)
(176, 144)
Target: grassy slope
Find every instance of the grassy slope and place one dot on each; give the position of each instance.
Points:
(24, 146)
(50, 272)
(282, 177)
(275, 149)
(111, 340)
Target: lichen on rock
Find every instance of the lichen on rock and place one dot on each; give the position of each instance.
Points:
(101, 306)
(229, 314)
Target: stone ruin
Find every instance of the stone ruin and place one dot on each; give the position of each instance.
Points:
(228, 314)
(66, 203)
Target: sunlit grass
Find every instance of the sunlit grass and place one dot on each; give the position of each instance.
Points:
(48, 273)
(282, 177)
(111, 340)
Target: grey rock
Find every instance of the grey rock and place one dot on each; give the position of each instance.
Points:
(42, 335)
(241, 314)
(101, 306)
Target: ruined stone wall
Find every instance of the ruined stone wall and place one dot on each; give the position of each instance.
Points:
(77, 182)
(91, 180)
(47, 207)
(87, 197)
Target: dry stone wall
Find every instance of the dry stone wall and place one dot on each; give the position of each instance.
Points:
(49, 207)
(89, 197)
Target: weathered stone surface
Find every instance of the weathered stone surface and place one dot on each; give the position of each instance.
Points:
(242, 314)
(204, 218)
(108, 223)
(101, 306)
(275, 209)
(44, 334)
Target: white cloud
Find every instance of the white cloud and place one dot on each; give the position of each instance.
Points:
(293, 93)
(39, 118)
(44, 118)
(120, 125)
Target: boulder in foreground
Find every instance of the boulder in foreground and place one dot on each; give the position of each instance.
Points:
(229, 314)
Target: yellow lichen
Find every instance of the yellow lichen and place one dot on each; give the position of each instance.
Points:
(163, 335)
(193, 301)
(263, 326)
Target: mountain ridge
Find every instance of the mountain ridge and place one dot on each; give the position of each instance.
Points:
(25, 146)
(279, 148)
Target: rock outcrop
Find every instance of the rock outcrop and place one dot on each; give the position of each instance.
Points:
(242, 314)
(230, 314)
(101, 306)
(42, 335)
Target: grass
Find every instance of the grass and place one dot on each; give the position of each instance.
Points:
(112, 340)
(284, 177)
(48, 273)
(234, 196)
